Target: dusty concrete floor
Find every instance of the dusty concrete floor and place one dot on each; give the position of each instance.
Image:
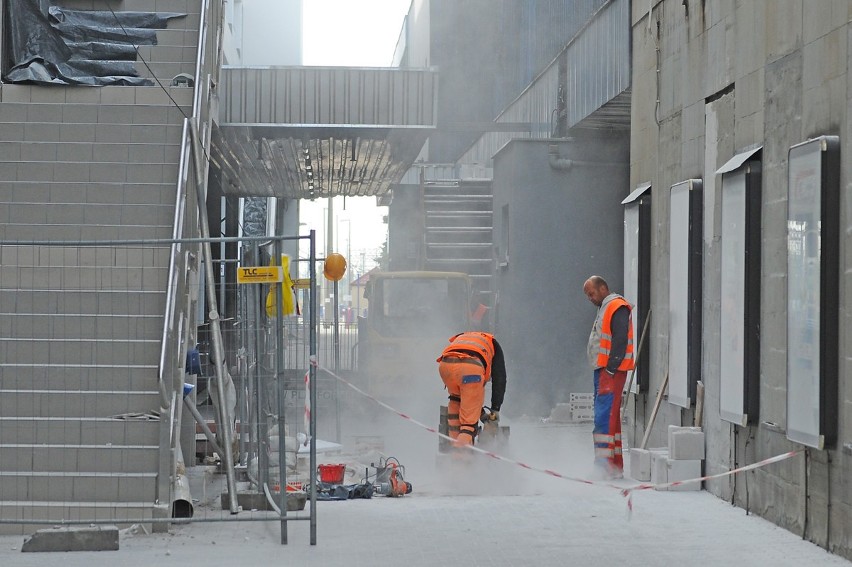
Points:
(480, 513)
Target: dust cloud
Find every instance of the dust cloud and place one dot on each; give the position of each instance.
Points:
(370, 431)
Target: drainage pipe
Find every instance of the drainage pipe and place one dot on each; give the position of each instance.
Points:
(556, 161)
(181, 497)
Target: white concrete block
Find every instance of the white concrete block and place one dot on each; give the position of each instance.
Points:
(640, 464)
(659, 470)
(673, 428)
(582, 411)
(582, 416)
(683, 470)
(581, 397)
(572, 412)
(686, 444)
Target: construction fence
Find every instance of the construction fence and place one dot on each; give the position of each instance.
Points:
(109, 399)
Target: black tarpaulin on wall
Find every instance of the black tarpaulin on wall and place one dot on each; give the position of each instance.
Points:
(46, 43)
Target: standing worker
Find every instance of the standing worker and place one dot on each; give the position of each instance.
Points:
(610, 353)
(466, 365)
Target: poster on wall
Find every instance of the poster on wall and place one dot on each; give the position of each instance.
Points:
(812, 291)
(739, 316)
(732, 306)
(637, 274)
(685, 247)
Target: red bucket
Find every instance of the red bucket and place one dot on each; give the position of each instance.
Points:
(332, 474)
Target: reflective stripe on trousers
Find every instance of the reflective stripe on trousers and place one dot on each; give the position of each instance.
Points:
(607, 432)
(465, 383)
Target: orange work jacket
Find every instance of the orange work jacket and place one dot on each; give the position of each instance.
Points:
(482, 343)
(606, 336)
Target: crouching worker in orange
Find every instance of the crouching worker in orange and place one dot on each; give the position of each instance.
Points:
(466, 365)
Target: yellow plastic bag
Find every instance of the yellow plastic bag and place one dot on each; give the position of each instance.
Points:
(288, 293)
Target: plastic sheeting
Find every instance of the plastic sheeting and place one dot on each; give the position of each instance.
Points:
(254, 216)
(51, 44)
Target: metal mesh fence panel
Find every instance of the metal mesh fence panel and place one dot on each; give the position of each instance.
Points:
(107, 388)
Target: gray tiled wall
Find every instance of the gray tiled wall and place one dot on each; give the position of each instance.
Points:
(80, 327)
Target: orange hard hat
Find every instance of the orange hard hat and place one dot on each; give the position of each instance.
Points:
(335, 267)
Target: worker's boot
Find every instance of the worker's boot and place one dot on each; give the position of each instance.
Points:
(467, 435)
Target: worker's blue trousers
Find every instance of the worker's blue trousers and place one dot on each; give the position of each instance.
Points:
(607, 432)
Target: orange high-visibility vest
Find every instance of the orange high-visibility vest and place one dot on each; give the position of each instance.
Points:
(482, 343)
(606, 336)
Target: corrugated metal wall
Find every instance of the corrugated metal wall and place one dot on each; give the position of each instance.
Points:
(598, 64)
(545, 26)
(535, 107)
(328, 96)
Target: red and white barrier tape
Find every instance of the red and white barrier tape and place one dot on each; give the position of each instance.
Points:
(626, 492)
(470, 447)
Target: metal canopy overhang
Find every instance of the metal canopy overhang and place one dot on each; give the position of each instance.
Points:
(612, 115)
(739, 159)
(638, 192)
(312, 132)
(313, 162)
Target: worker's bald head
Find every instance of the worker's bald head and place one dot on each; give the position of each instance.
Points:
(596, 289)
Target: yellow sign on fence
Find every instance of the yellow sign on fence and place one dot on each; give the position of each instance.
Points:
(260, 274)
(302, 283)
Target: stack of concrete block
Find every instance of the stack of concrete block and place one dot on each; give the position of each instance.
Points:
(681, 460)
(582, 407)
(686, 452)
(645, 464)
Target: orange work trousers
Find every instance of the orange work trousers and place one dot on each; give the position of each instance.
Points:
(465, 383)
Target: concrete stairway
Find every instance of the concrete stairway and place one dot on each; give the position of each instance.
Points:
(458, 229)
(81, 327)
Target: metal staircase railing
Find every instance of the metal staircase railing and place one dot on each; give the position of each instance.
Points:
(179, 335)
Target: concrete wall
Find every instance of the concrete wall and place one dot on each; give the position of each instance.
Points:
(405, 229)
(487, 52)
(419, 33)
(271, 32)
(732, 74)
(82, 163)
(232, 32)
(563, 226)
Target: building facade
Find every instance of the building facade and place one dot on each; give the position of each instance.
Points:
(747, 103)
(529, 93)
